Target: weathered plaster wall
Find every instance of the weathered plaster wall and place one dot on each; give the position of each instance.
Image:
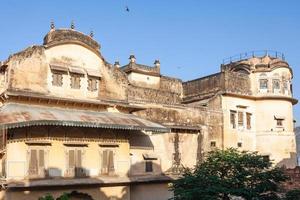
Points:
(32, 62)
(171, 84)
(140, 94)
(203, 87)
(150, 192)
(282, 74)
(112, 84)
(169, 115)
(237, 83)
(143, 80)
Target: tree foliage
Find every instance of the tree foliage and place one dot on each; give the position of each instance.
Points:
(50, 197)
(292, 195)
(47, 197)
(227, 173)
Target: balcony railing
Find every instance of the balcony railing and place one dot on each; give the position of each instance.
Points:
(253, 54)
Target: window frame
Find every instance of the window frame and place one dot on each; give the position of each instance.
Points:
(239, 144)
(101, 168)
(57, 78)
(77, 170)
(263, 83)
(149, 166)
(93, 87)
(248, 120)
(41, 170)
(279, 122)
(232, 119)
(74, 77)
(276, 82)
(241, 120)
(213, 144)
(285, 87)
(266, 158)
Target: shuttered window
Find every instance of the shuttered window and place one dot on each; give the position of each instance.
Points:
(279, 122)
(248, 117)
(263, 84)
(240, 119)
(276, 84)
(33, 163)
(149, 166)
(75, 81)
(36, 163)
(75, 163)
(108, 166)
(233, 118)
(72, 159)
(57, 79)
(92, 84)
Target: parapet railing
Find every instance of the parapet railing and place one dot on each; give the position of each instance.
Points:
(252, 54)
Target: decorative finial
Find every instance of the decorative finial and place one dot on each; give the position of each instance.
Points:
(132, 58)
(117, 64)
(92, 33)
(157, 64)
(52, 26)
(72, 25)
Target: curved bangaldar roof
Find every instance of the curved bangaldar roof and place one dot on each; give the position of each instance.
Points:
(64, 36)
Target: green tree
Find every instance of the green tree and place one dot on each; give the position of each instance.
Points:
(227, 173)
(292, 195)
(65, 196)
(47, 197)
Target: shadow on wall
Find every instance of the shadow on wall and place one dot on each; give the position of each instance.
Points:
(147, 182)
(151, 184)
(290, 162)
(146, 186)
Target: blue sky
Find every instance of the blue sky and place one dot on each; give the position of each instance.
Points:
(189, 37)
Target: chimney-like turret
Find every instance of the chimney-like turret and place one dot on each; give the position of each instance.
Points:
(132, 58)
(117, 64)
(157, 64)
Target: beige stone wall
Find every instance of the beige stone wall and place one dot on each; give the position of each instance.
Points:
(157, 191)
(35, 62)
(282, 74)
(55, 153)
(162, 146)
(150, 192)
(129, 155)
(264, 136)
(239, 134)
(28, 70)
(81, 57)
(144, 80)
(56, 161)
(281, 145)
(96, 193)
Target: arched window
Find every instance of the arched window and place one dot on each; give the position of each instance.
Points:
(263, 83)
(276, 83)
(242, 71)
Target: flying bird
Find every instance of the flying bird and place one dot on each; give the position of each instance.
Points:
(127, 9)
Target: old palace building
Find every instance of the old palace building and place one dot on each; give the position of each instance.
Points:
(73, 123)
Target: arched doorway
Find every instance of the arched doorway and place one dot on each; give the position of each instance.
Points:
(78, 196)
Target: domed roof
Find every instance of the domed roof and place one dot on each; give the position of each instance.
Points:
(63, 36)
